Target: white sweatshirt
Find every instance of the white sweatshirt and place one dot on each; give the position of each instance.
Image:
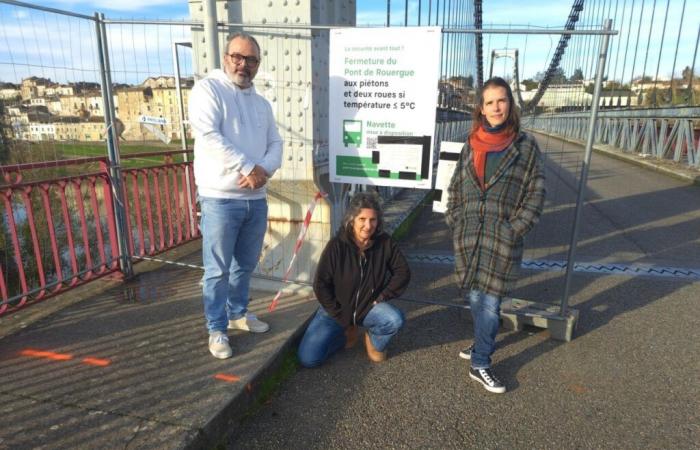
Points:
(234, 129)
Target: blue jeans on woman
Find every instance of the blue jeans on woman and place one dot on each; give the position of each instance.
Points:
(486, 312)
(232, 237)
(324, 336)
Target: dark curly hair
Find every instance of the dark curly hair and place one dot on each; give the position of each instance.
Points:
(359, 201)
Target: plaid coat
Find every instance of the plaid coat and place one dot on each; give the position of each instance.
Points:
(488, 225)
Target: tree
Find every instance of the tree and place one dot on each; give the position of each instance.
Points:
(5, 135)
(530, 84)
(462, 81)
(470, 81)
(557, 77)
(687, 74)
(577, 76)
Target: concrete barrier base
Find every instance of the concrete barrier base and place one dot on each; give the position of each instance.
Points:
(516, 313)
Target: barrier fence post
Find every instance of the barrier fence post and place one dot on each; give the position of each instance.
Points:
(183, 134)
(115, 176)
(602, 57)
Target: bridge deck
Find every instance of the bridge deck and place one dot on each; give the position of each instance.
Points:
(129, 367)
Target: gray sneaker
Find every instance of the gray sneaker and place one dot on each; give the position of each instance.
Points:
(248, 323)
(218, 345)
(467, 352)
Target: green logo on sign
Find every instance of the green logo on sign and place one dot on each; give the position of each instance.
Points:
(352, 132)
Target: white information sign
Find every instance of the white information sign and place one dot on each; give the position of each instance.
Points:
(382, 103)
(153, 120)
(151, 123)
(449, 154)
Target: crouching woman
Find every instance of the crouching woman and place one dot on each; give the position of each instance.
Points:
(360, 270)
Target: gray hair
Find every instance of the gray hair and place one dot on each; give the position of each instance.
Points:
(359, 201)
(245, 36)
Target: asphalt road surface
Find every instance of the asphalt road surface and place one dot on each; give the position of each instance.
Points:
(628, 379)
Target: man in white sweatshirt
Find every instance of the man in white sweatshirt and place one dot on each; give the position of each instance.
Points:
(237, 148)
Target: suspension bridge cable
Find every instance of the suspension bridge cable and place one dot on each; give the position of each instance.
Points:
(479, 44)
(658, 63)
(675, 55)
(692, 70)
(559, 52)
(388, 13)
(624, 60)
(619, 44)
(646, 53)
(590, 41)
(607, 66)
(636, 46)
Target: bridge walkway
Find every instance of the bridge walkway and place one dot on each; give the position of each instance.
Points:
(128, 367)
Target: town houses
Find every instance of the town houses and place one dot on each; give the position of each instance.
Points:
(39, 109)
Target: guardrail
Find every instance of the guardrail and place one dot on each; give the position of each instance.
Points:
(61, 232)
(666, 136)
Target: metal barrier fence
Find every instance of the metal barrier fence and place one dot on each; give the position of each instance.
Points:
(294, 83)
(113, 93)
(91, 178)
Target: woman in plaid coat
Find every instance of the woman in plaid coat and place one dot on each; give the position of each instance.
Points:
(495, 197)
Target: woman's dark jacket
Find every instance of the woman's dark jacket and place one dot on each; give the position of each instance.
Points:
(347, 282)
(488, 224)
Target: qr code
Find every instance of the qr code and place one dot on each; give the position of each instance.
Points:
(372, 142)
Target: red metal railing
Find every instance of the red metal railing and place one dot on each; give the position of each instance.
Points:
(61, 232)
(160, 203)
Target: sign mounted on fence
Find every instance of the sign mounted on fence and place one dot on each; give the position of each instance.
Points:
(382, 105)
(151, 123)
(447, 162)
(153, 120)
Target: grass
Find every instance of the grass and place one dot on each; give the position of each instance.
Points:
(270, 385)
(267, 389)
(69, 150)
(290, 364)
(402, 231)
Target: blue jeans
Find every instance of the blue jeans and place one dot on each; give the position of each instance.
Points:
(324, 336)
(486, 312)
(232, 237)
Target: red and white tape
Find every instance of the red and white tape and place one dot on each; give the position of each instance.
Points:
(300, 241)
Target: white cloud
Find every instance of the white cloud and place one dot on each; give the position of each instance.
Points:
(20, 14)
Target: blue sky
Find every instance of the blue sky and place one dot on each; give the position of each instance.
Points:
(152, 51)
(142, 9)
(369, 12)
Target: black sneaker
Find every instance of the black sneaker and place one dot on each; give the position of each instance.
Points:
(486, 377)
(467, 352)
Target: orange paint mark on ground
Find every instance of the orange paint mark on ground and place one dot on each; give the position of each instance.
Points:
(577, 388)
(97, 362)
(47, 355)
(227, 377)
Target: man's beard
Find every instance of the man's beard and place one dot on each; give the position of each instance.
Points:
(241, 78)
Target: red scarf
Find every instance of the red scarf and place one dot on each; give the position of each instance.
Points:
(483, 142)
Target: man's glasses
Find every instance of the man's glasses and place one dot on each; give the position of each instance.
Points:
(250, 61)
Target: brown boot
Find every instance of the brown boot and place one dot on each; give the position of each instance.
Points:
(372, 353)
(350, 336)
